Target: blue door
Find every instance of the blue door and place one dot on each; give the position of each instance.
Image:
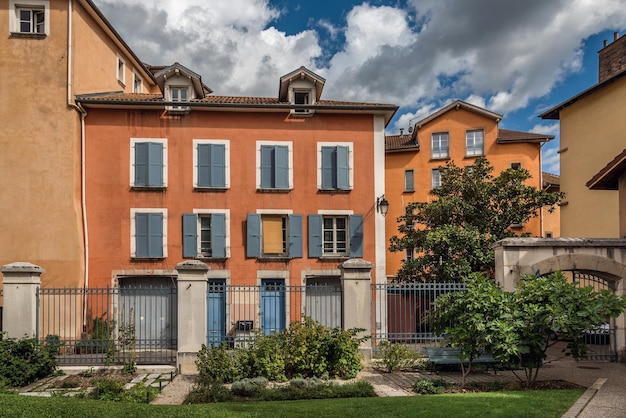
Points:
(216, 312)
(272, 305)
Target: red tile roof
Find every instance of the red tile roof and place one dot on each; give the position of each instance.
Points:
(400, 143)
(505, 135)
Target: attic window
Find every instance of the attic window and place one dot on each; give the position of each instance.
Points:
(302, 97)
(179, 94)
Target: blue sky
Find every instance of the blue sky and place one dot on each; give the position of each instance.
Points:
(511, 57)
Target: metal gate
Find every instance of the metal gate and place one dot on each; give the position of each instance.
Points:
(601, 342)
(103, 326)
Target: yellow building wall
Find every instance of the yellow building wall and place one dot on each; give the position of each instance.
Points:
(593, 132)
(40, 163)
(456, 123)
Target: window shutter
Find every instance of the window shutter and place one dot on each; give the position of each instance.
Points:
(190, 235)
(328, 167)
(315, 236)
(253, 241)
(343, 168)
(155, 164)
(155, 235)
(218, 235)
(141, 235)
(204, 165)
(295, 236)
(267, 170)
(141, 164)
(281, 161)
(218, 165)
(356, 236)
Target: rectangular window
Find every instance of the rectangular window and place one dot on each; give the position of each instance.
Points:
(275, 166)
(148, 233)
(439, 145)
(121, 70)
(179, 94)
(335, 236)
(148, 162)
(205, 234)
(137, 83)
(301, 98)
(474, 143)
(410, 254)
(334, 166)
(516, 166)
(274, 235)
(211, 164)
(29, 17)
(436, 178)
(409, 181)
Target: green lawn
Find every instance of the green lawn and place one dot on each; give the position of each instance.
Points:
(539, 403)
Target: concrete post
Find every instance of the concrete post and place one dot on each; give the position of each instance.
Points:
(20, 283)
(192, 313)
(356, 279)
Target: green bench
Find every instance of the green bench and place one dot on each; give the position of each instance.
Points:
(450, 356)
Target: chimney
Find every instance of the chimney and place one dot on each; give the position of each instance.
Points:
(612, 58)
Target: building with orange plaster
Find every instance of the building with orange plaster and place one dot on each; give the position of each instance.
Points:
(459, 132)
(265, 191)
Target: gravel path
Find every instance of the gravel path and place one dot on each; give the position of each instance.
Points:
(176, 391)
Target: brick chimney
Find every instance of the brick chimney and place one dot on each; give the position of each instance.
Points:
(612, 58)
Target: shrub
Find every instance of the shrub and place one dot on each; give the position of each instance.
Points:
(344, 360)
(397, 356)
(216, 364)
(22, 361)
(249, 387)
(264, 358)
(316, 389)
(106, 389)
(430, 387)
(305, 345)
(209, 393)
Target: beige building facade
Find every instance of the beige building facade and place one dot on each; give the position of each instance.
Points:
(51, 51)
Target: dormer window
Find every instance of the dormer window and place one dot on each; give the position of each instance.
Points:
(301, 89)
(179, 94)
(302, 98)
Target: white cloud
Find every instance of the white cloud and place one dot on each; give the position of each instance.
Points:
(550, 160)
(546, 129)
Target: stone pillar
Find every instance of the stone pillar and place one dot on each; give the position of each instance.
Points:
(192, 313)
(20, 283)
(356, 279)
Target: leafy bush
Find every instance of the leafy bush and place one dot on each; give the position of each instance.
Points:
(344, 360)
(317, 389)
(430, 387)
(22, 361)
(249, 387)
(306, 347)
(106, 389)
(264, 358)
(397, 356)
(216, 364)
(209, 393)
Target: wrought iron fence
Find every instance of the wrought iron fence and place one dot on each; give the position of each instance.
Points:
(400, 309)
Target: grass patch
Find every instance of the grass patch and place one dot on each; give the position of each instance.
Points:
(528, 404)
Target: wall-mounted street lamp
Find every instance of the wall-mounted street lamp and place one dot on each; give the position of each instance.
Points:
(382, 205)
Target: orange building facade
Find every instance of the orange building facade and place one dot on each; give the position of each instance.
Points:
(460, 132)
(260, 189)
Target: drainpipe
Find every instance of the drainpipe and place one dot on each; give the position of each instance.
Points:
(83, 115)
(541, 213)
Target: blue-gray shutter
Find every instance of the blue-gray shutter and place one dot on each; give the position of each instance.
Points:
(267, 167)
(253, 241)
(190, 235)
(218, 165)
(356, 236)
(155, 235)
(155, 164)
(328, 167)
(141, 164)
(343, 168)
(315, 236)
(218, 235)
(281, 161)
(204, 165)
(141, 235)
(295, 236)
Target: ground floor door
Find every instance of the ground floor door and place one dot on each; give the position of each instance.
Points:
(272, 305)
(216, 312)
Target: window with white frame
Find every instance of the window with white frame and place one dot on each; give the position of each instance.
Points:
(516, 166)
(121, 70)
(302, 97)
(410, 254)
(211, 164)
(179, 94)
(206, 234)
(335, 161)
(474, 143)
(275, 165)
(137, 83)
(274, 235)
(335, 235)
(148, 233)
(148, 162)
(439, 145)
(29, 17)
(436, 178)
(409, 181)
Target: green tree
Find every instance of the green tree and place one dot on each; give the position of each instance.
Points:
(517, 327)
(453, 234)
